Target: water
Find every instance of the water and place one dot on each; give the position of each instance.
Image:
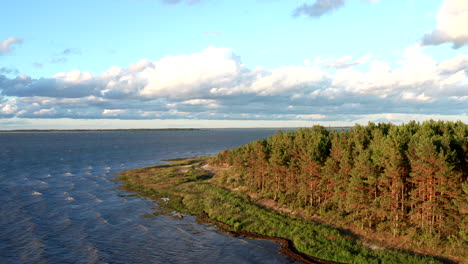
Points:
(58, 203)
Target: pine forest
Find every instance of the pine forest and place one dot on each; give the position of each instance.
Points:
(406, 180)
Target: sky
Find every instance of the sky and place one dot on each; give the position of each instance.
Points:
(224, 63)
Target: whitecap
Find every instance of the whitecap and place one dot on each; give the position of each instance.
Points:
(36, 193)
(107, 168)
(69, 198)
(68, 174)
(90, 167)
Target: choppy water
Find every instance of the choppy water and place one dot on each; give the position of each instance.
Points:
(58, 203)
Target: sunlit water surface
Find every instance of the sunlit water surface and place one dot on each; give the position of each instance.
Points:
(58, 203)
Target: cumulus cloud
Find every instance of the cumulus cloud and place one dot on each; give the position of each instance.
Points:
(287, 80)
(199, 102)
(74, 76)
(8, 108)
(214, 84)
(319, 8)
(456, 64)
(6, 46)
(60, 86)
(452, 21)
(113, 112)
(186, 75)
(45, 112)
(140, 66)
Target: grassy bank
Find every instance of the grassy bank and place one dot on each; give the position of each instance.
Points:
(193, 190)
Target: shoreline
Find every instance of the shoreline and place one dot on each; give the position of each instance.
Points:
(287, 245)
(193, 189)
(153, 129)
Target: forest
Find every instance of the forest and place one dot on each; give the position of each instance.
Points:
(406, 180)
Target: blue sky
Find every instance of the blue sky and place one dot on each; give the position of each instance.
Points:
(222, 63)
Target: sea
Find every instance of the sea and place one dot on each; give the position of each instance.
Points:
(60, 203)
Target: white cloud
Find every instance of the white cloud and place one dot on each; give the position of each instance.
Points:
(454, 65)
(415, 70)
(74, 76)
(45, 112)
(214, 83)
(178, 76)
(286, 80)
(8, 108)
(452, 25)
(82, 102)
(410, 96)
(113, 72)
(199, 102)
(113, 112)
(7, 44)
(140, 66)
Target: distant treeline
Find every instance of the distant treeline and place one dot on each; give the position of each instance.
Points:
(409, 179)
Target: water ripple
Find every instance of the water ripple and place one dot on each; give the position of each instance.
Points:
(59, 204)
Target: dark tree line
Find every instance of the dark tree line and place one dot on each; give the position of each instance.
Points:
(404, 179)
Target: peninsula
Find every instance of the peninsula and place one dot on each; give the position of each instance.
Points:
(374, 194)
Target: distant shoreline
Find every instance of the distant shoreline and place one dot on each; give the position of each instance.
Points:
(149, 129)
(95, 130)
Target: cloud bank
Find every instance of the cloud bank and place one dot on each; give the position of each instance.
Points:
(214, 84)
(452, 25)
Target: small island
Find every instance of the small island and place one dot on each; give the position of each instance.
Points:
(374, 194)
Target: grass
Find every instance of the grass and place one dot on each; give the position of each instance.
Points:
(192, 190)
